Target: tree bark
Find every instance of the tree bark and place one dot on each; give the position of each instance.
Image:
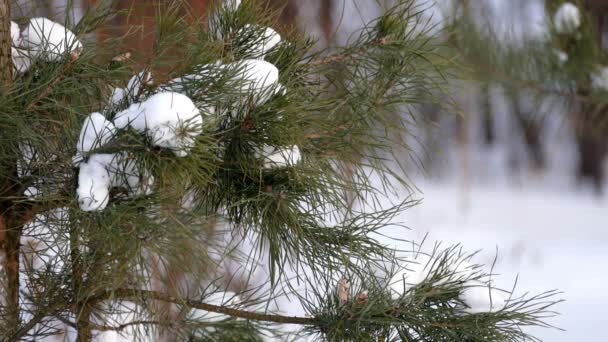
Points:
(488, 115)
(591, 139)
(137, 23)
(531, 131)
(289, 11)
(6, 43)
(8, 229)
(327, 22)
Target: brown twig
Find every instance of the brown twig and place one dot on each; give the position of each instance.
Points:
(134, 293)
(52, 85)
(334, 58)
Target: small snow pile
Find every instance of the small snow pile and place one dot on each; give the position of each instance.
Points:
(561, 56)
(102, 172)
(476, 295)
(279, 157)
(96, 132)
(49, 40)
(15, 33)
(44, 39)
(94, 182)
(187, 85)
(170, 120)
(256, 78)
(133, 89)
(21, 60)
(599, 80)
(480, 298)
(567, 19)
(410, 275)
(258, 47)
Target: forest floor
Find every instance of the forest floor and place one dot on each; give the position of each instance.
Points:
(548, 239)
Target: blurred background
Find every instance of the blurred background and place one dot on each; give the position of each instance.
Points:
(516, 176)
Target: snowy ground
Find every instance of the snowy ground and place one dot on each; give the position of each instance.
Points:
(551, 239)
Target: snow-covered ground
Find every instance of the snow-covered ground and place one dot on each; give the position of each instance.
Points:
(551, 239)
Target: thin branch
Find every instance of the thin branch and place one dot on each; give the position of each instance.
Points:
(504, 77)
(121, 327)
(52, 85)
(134, 294)
(334, 58)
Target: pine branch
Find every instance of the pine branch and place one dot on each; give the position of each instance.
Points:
(48, 89)
(512, 81)
(130, 294)
(127, 325)
(106, 254)
(337, 57)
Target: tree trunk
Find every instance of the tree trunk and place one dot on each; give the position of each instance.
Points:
(6, 63)
(488, 115)
(531, 131)
(327, 21)
(591, 139)
(137, 23)
(9, 230)
(289, 11)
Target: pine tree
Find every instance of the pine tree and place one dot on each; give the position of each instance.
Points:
(185, 197)
(564, 66)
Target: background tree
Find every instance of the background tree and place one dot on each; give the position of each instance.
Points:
(220, 159)
(563, 66)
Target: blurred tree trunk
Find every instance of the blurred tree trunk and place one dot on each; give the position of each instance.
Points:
(9, 229)
(6, 69)
(531, 130)
(591, 138)
(590, 123)
(327, 20)
(488, 115)
(138, 25)
(289, 11)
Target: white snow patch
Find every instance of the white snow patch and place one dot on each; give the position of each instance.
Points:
(96, 132)
(561, 56)
(256, 78)
(133, 89)
(599, 80)
(94, 182)
(102, 172)
(15, 33)
(49, 40)
(170, 120)
(278, 157)
(480, 297)
(21, 60)
(567, 18)
(259, 46)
